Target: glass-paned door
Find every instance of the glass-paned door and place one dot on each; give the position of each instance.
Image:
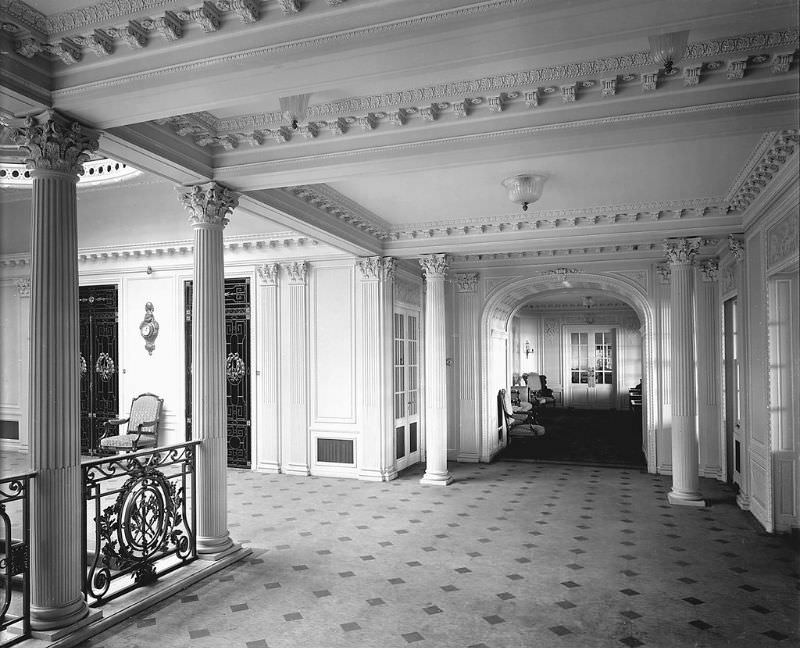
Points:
(591, 368)
(731, 393)
(406, 387)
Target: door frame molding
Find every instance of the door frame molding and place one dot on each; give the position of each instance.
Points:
(566, 372)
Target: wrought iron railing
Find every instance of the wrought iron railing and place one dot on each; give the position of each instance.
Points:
(14, 558)
(139, 518)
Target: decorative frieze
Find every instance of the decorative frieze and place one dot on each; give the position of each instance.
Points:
(561, 273)
(50, 142)
(770, 156)
(268, 273)
(297, 272)
(434, 265)
(208, 204)
(682, 251)
(782, 240)
(709, 270)
(467, 282)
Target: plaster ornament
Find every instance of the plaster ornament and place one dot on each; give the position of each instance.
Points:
(709, 270)
(100, 43)
(24, 287)
(50, 142)
(609, 87)
(247, 10)
(268, 273)
(148, 329)
(691, 75)
(297, 272)
(434, 265)
(649, 81)
(289, 7)
(27, 47)
(368, 122)
(398, 117)
(209, 204)
(664, 272)
(467, 282)
(682, 251)
(168, 25)
(496, 103)
(782, 62)
(568, 93)
(532, 98)
(66, 50)
(461, 109)
(736, 69)
(309, 130)
(133, 34)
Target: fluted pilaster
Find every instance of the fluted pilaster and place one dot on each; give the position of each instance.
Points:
(268, 445)
(209, 206)
(296, 460)
(374, 322)
(54, 150)
(685, 478)
(467, 305)
(435, 269)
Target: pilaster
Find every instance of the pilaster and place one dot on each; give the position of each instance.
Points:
(268, 342)
(435, 269)
(467, 313)
(709, 361)
(374, 330)
(294, 442)
(209, 206)
(685, 479)
(55, 150)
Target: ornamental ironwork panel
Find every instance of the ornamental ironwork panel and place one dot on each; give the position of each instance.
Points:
(15, 559)
(138, 519)
(99, 373)
(237, 368)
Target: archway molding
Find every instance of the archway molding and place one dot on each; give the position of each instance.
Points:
(505, 299)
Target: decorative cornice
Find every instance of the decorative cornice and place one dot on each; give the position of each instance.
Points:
(467, 282)
(434, 266)
(709, 270)
(209, 204)
(561, 273)
(548, 254)
(682, 251)
(376, 268)
(767, 158)
(297, 272)
(24, 287)
(396, 108)
(50, 142)
(268, 273)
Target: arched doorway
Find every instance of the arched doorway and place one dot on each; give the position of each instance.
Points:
(505, 301)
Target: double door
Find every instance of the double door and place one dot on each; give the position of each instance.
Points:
(99, 377)
(591, 371)
(406, 387)
(237, 369)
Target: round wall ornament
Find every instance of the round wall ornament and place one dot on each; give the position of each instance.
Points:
(105, 367)
(234, 368)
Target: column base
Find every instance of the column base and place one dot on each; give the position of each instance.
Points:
(376, 475)
(59, 620)
(437, 479)
(686, 499)
(296, 469)
(213, 548)
(272, 467)
(214, 557)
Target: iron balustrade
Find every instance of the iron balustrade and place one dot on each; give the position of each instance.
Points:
(139, 511)
(15, 623)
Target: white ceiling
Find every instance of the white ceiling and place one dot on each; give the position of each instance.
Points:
(638, 150)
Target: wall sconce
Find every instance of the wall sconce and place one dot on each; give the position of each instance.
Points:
(528, 348)
(668, 49)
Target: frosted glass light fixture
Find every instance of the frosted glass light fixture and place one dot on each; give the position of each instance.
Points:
(294, 108)
(667, 49)
(525, 188)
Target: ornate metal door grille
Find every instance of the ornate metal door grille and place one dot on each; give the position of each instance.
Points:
(237, 368)
(99, 378)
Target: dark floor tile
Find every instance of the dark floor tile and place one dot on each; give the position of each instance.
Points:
(145, 623)
(560, 630)
(322, 593)
(565, 605)
(631, 642)
(700, 624)
(199, 634)
(775, 635)
(494, 619)
(449, 588)
(350, 626)
(411, 637)
(239, 607)
(693, 600)
(432, 609)
(293, 616)
(260, 643)
(630, 614)
(376, 601)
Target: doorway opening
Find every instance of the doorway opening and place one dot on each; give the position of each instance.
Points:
(588, 347)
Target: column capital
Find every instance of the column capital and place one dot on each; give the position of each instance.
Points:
(50, 142)
(24, 287)
(376, 268)
(268, 273)
(434, 265)
(297, 271)
(709, 269)
(467, 282)
(209, 204)
(663, 271)
(736, 247)
(682, 251)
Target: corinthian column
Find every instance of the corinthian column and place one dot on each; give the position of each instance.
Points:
(685, 479)
(209, 206)
(55, 150)
(434, 267)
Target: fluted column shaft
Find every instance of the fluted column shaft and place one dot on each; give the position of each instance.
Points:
(685, 466)
(295, 459)
(209, 205)
(268, 377)
(55, 150)
(467, 305)
(435, 268)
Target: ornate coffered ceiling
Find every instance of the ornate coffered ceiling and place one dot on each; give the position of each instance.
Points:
(419, 108)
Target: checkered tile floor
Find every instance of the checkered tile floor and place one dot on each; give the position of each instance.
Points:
(511, 555)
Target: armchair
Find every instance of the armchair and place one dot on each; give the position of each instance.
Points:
(515, 418)
(142, 430)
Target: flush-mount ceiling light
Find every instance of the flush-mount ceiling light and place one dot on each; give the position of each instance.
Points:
(525, 188)
(667, 49)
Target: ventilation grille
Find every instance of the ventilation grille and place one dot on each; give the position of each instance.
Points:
(338, 451)
(9, 430)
